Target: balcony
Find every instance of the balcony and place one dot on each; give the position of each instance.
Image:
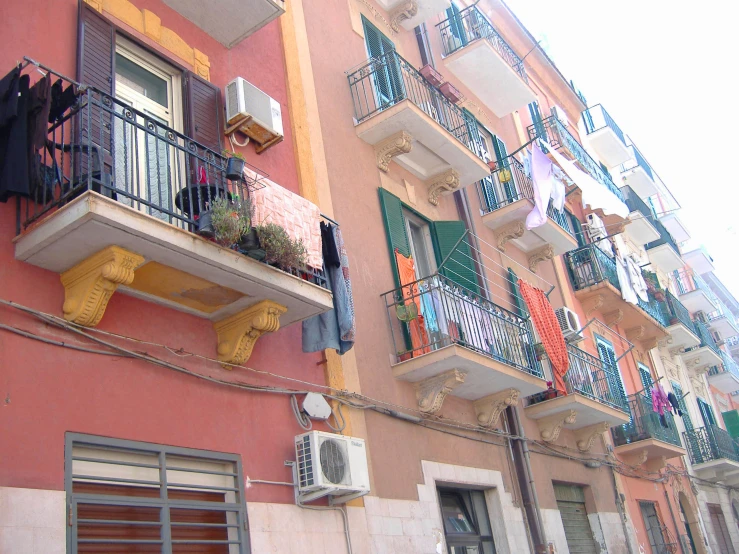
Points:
(664, 253)
(120, 199)
(648, 438)
(726, 376)
(592, 404)
(411, 122)
(479, 57)
(448, 338)
(605, 137)
(638, 174)
(699, 260)
(506, 198)
(683, 334)
(229, 21)
(714, 454)
(676, 228)
(704, 356)
(411, 14)
(722, 321)
(640, 230)
(694, 292)
(594, 278)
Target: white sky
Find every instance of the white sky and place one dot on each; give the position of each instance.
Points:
(668, 73)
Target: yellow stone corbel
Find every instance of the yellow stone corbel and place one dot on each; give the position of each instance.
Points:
(89, 285)
(238, 334)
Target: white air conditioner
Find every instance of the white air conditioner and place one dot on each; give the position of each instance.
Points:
(254, 113)
(331, 465)
(560, 114)
(569, 322)
(717, 337)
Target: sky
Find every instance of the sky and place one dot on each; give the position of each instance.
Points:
(668, 74)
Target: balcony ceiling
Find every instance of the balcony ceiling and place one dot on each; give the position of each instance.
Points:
(681, 337)
(181, 270)
(434, 149)
(697, 301)
(700, 359)
(676, 228)
(722, 469)
(426, 10)
(699, 260)
(724, 326)
(639, 181)
(490, 77)
(665, 258)
(609, 147)
(229, 21)
(725, 381)
(589, 411)
(655, 450)
(640, 230)
(484, 376)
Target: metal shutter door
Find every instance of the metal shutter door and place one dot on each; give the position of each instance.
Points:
(571, 504)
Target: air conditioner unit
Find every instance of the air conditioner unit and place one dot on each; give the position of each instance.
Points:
(560, 114)
(569, 322)
(331, 465)
(254, 113)
(717, 337)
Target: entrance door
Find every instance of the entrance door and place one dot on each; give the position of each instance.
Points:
(720, 531)
(571, 504)
(653, 526)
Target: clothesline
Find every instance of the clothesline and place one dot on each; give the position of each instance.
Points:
(505, 298)
(28, 61)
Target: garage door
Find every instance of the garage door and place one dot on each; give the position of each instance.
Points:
(571, 504)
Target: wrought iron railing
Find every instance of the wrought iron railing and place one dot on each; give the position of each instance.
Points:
(556, 134)
(655, 309)
(688, 280)
(435, 312)
(664, 237)
(723, 313)
(709, 443)
(678, 313)
(590, 376)
(636, 204)
(637, 161)
(728, 365)
(384, 81)
(470, 25)
(646, 424)
(705, 336)
(597, 118)
(510, 183)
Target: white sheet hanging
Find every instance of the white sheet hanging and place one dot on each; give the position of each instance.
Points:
(542, 183)
(597, 230)
(627, 292)
(637, 279)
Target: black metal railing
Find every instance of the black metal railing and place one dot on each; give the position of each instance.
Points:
(597, 118)
(637, 160)
(646, 424)
(636, 204)
(705, 336)
(509, 183)
(728, 365)
(688, 280)
(664, 237)
(556, 134)
(384, 81)
(678, 313)
(723, 313)
(470, 25)
(435, 312)
(709, 443)
(588, 376)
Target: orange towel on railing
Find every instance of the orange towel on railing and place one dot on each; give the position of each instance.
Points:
(546, 324)
(417, 328)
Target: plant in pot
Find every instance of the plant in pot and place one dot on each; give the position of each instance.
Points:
(249, 244)
(235, 163)
(540, 351)
(229, 224)
(280, 249)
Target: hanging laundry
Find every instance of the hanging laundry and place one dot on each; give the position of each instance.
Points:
(624, 282)
(417, 327)
(542, 183)
(596, 230)
(14, 138)
(672, 399)
(637, 279)
(547, 326)
(659, 400)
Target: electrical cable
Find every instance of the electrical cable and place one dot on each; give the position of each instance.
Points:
(339, 426)
(305, 422)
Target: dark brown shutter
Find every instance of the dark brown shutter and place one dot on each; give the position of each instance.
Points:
(96, 51)
(204, 117)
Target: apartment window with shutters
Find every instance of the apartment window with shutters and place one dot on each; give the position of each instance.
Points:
(646, 379)
(653, 525)
(136, 497)
(467, 528)
(706, 412)
(607, 355)
(678, 390)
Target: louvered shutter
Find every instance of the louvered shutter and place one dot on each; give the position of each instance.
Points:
(460, 267)
(521, 308)
(456, 25)
(577, 228)
(536, 120)
(386, 77)
(608, 357)
(96, 51)
(397, 236)
(731, 421)
(505, 178)
(706, 412)
(646, 380)
(203, 109)
(472, 137)
(678, 390)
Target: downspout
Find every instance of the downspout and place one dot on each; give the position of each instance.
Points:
(525, 476)
(619, 506)
(672, 516)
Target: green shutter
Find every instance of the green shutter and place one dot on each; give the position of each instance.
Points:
(456, 26)
(731, 421)
(646, 379)
(388, 82)
(678, 390)
(521, 308)
(536, 120)
(460, 266)
(706, 412)
(397, 238)
(608, 356)
(577, 228)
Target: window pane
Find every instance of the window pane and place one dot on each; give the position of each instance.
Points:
(481, 511)
(456, 520)
(464, 549)
(141, 80)
(127, 523)
(488, 548)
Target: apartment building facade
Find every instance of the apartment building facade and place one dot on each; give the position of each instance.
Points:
(411, 124)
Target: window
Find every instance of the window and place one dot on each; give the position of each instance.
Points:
(608, 356)
(140, 497)
(646, 379)
(678, 390)
(466, 522)
(422, 248)
(720, 530)
(706, 413)
(653, 526)
(387, 80)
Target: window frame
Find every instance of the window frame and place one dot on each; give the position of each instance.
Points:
(468, 505)
(95, 441)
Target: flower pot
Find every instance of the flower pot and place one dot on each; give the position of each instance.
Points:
(431, 75)
(493, 165)
(451, 92)
(205, 224)
(250, 241)
(235, 169)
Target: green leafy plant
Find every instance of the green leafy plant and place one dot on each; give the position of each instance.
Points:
(282, 251)
(229, 222)
(228, 154)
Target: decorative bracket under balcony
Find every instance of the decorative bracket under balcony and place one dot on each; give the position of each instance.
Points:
(431, 392)
(637, 458)
(551, 426)
(586, 436)
(394, 145)
(593, 304)
(238, 334)
(542, 254)
(405, 10)
(513, 230)
(89, 285)
(614, 318)
(489, 408)
(442, 184)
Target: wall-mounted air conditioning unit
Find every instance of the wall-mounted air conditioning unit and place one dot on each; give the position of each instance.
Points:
(569, 322)
(560, 114)
(254, 113)
(717, 337)
(331, 465)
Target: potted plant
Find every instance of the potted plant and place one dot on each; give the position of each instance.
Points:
(234, 165)
(205, 224)
(228, 223)
(540, 351)
(281, 250)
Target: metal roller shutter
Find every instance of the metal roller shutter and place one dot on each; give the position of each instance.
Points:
(571, 504)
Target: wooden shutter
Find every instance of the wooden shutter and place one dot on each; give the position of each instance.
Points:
(720, 531)
(646, 380)
(95, 51)
(387, 80)
(706, 412)
(731, 421)
(521, 308)
(204, 116)
(678, 390)
(397, 236)
(473, 138)
(536, 120)
(460, 267)
(608, 357)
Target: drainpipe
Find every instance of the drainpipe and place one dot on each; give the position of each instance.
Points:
(522, 461)
(672, 516)
(620, 507)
